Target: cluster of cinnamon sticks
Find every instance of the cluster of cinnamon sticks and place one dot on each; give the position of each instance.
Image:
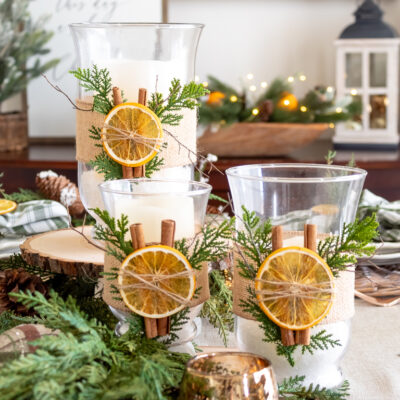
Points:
(289, 337)
(155, 326)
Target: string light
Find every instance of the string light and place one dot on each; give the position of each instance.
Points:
(205, 84)
(331, 125)
(386, 101)
(290, 79)
(353, 92)
(196, 78)
(329, 89)
(250, 76)
(303, 108)
(339, 110)
(302, 78)
(264, 84)
(253, 88)
(286, 102)
(233, 99)
(255, 111)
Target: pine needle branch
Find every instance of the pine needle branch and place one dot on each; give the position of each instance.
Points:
(99, 82)
(342, 251)
(180, 97)
(106, 166)
(292, 389)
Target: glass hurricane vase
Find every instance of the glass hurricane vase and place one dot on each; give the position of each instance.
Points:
(137, 55)
(292, 195)
(149, 201)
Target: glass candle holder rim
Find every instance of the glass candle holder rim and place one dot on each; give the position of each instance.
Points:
(204, 187)
(161, 25)
(190, 369)
(355, 173)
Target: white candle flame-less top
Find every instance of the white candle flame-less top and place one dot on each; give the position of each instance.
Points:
(131, 75)
(150, 211)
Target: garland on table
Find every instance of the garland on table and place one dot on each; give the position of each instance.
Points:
(99, 82)
(226, 105)
(339, 252)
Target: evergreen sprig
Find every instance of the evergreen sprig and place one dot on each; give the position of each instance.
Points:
(179, 97)
(106, 166)
(209, 246)
(23, 195)
(87, 360)
(342, 251)
(113, 234)
(98, 81)
(254, 245)
(218, 308)
(293, 389)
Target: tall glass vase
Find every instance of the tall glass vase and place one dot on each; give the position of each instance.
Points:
(137, 56)
(292, 195)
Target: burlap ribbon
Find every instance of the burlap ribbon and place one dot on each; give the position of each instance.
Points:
(179, 139)
(343, 302)
(113, 300)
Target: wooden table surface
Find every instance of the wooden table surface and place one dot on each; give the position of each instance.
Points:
(383, 167)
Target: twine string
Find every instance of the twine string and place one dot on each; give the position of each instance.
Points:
(294, 289)
(151, 284)
(120, 134)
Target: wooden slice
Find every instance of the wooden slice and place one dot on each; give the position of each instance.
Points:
(64, 251)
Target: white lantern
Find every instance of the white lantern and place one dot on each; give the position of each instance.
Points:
(367, 68)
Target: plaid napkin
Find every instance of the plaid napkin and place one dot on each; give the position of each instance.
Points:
(387, 213)
(34, 217)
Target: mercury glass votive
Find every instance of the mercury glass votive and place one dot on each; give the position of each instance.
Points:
(292, 195)
(149, 201)
(228, 376)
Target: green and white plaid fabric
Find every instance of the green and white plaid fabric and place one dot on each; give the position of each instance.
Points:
(387, 213)
(34, 217)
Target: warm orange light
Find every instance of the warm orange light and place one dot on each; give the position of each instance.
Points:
(215, 98)
(288, 101)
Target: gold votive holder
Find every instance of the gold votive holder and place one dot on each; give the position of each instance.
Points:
(228, 376)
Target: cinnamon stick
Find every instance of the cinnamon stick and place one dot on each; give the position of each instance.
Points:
(140, 172)
(167, 239)
(127, 172)
(287, 335)
(138, 242)
(310, 242)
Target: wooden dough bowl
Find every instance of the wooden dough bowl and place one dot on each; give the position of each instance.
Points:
(259, 139)
(64, 251)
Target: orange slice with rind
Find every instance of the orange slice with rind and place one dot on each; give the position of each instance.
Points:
(132, 134)
(156, 281)
(295, 288)
(7, 206)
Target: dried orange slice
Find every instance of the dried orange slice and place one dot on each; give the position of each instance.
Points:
(294, 288)
(7, 206)
(132, 134)
(156, 281)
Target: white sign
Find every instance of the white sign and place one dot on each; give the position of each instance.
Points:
(50, 113)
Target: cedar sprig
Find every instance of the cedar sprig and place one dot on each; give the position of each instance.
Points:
(292, 388)
(179, 97)
(342, 251)
(208, 246)
(113, 234)
(272, 334)
(85, 350)
(98, 81)
(154, 165)
(106, 166)
(16, 261)
(95, 134)
(253, 242)
(218, 308)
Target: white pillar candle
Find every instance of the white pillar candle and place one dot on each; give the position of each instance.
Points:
(130, 75)
(150, 211)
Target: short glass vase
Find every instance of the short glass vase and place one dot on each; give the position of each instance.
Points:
(292, 195)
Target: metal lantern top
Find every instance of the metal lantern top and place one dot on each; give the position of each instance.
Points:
(369, 24)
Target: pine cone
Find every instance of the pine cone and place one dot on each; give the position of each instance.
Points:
(266, 108)
(13, 281)
(59, 188)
